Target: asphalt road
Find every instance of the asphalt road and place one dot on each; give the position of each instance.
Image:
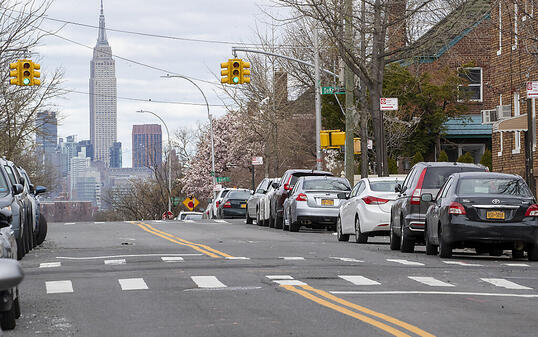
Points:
(227, 279)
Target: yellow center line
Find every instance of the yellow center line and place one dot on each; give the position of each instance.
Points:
(348, 312)
(387, 318)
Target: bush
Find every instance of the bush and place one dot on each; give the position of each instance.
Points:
(466, 158)
(486, 159)
(417, 158)
(393, 166)
(443, 157)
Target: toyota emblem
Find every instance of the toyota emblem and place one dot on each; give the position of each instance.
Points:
(495, 201)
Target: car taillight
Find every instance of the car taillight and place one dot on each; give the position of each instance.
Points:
(456, 208)
(415, 197)
(227, 204)
(301, 197)
(374, 201)
(532, 210)
(217, 203)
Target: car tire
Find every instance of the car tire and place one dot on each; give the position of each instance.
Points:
(20, 250)
(31, 235)
(431, 249)
(17, 306)
(359, 236)
(8, 319)
(271, 222)
(248, 219)
(445, 249)
(259, 222)
(339, 235)
(394, 239)
(518, 254)
(277, 222)
(284, 219)
(407, 244)
(294, 225)
(533, 253)
(42, 233)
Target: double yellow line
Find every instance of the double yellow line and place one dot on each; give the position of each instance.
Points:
(361, 313)
(175, 239)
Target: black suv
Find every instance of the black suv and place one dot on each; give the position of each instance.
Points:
(408, 213)
(283, 188)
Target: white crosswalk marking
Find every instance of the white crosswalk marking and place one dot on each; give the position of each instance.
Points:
(290, 282)
(459, 263)
(69, 223)
(237, 258)
(221, 221)
(189, 221)
(292, 257)
(500, 282)
(359, 280)
(119, 261)
(50, 265)
(59, 287)
(406, 262)
(133, 284)
(346, 259)
(207, 282)
(516, 264)
(99, 222)
(279, 277)
(433, 282)
(172, 258)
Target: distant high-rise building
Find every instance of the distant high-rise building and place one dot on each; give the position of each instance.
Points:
(84, 180)
(147, 145)
(115, 155)
(87, 144)
(47, 138)
(103, 97)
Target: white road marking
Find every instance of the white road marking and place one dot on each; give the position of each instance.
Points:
(290, 282)
(50, 265)
(119, 261)
(221, 221)
(237, 258)
(459, 263)
(158, 221)
(279, 277)
(69, 223)
(516, 264)
(346, 259)
(171, 258)
(500, 282)
(406, 262)
(59, 287)
(432, 282)
(99, 222)
(113, 256)
(292, 257)
(207, 282)
(133, 284)
(431, 293)
(359, 280)
(189, 221)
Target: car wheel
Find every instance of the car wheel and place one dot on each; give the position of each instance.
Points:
(359, 236)
(258, 220)
(431, 249)
(248, 219)
(284, 220)
(271, 222)
(278, 222)
(533, 253)
(294, 225)
(407, 244)
(20, 249)
(7, 319)
(394, 239)
(517, 254)
(339, 235)
(17, 306)
(42, 233)
(445, 249)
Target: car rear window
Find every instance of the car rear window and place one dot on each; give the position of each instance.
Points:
(326, 185)
(239, 195)
(4, 188)
(515, 187)
(436, 176)
(193, 217)
(383, 186)
(297, 175)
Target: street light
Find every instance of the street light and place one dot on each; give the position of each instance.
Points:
(169, 163)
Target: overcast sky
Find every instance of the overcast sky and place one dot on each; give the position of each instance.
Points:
(231, 20)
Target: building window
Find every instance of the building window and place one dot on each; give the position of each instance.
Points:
(500, 30)
(500, 153)
(473, 89)
(517, 142)
(517, 111)
(516, 10)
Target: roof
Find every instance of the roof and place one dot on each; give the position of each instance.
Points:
(468, 126)
(449, 31)
(485, 175)
(446, 163)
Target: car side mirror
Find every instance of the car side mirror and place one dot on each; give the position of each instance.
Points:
(342, 195)
(40, 190)
(18, 189)
(398, 188)
(426, 197)
(10, 274)
(32, 188)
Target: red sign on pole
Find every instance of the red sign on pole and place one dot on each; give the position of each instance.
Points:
(388, 104)
(532, 89)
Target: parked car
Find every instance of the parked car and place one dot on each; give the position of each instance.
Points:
(10, 276)
(11, 201)
(39, 223)
(314, 202)
(408, 213)
(234, 204)
(487, 211)
(365, 212)
(263, 213)
(184, 215)
(215, 203)
(285, 185)
(253, 201)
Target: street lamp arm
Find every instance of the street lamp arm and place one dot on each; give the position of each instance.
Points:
(194, 83)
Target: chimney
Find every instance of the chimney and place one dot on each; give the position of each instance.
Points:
(397, 31)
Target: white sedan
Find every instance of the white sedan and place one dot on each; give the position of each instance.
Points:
(263, 214)
(366, 210)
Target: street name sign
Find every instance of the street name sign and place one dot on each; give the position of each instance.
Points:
(532, 89)
(388, 104)
(332, 90)
(224, 179)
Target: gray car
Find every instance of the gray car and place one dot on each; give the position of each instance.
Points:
(314, 202)
(253, 201)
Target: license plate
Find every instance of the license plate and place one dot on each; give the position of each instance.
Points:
(243, 205)
(495, 215)
(327, 202)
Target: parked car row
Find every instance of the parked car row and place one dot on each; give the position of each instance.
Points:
(22, 227)
(229, 203)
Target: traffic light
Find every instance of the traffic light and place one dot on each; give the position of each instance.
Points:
(225, 72)
(35, 74)
(236, 71)
(245, 72)
(24, 73)
(15, 72)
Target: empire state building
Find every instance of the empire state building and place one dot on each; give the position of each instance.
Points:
(103, 97)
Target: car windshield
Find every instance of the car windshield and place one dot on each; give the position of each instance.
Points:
(515, 187)
(243, 195)
(436, 176)
(383, 186)
(4, 188)
(326, 185)
(193, 217)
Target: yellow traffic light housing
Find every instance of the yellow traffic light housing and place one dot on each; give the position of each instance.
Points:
(332, 139)
(35, 74)
(245, 72)
(225, 72)
(15, 72)
(236, 71)
(356, 145)
(24, 73)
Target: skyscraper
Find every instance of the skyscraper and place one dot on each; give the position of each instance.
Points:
(147, 145)
(115, 155)
(47, 138)
(103, 97)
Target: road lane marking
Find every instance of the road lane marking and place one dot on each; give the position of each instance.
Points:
(172, 258)
(59, 287)
(221, 221)
(291, 258)
(499, 282)
(207, 282)
(516, 264)
(114, 256)
(406, 262)
(459, 263)
(112, 262)
(359, 280)
(290, 282)
(132, 284)
(50, 265)
(279, 277)
(410, 292)
(158, 221)
(430, 281)
(99, 222)
(346, 259)
(189, 221)
(237, 258)
(69, 223)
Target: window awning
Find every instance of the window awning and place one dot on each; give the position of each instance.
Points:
(518, 123)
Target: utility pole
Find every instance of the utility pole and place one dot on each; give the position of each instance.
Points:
(318, 98)
(529, 146)
(349, 83)
(363, 99)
